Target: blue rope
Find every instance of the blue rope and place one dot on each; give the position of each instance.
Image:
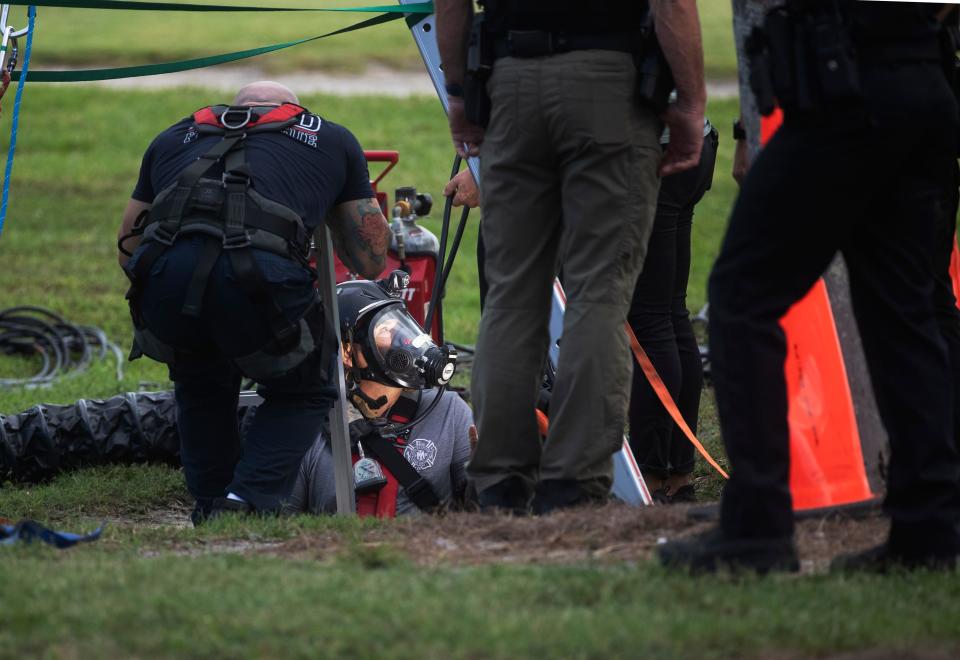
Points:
(31, 16)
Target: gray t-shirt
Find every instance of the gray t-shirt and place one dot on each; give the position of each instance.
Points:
(438, 448)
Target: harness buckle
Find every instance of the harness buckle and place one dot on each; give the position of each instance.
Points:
(245, 113)
(232, 178)
(288, 337)
(162, 235)
(236, 241)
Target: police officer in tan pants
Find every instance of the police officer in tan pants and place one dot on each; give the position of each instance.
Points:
(569, 166)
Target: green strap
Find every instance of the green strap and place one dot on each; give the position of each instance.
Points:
(185, 65)
(413, 8)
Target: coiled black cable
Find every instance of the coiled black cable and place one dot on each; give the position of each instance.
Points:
(65, 349)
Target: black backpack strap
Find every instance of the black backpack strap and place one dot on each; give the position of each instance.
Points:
(168, 226)
(236, 179)
(193, 301)
(418, 489)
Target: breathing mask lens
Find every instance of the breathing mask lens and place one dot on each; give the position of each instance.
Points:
(405, 353)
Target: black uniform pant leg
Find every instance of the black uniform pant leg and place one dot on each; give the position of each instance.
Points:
(296, 405)
(891, 285)
(659, 318)
(206, 386)
(688, 351)
(781, 238)
(295, 409)
(682, 453)
(206, 390)
(650, 317)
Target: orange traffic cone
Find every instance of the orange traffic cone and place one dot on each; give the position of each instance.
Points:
(826, 458)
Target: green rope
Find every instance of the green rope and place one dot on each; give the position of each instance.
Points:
(413, 8)
(196, 63)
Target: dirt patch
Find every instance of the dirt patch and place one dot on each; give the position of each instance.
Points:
(219, 546)
(175, 517)
(611, 534)
(615, 533)
(819, 540)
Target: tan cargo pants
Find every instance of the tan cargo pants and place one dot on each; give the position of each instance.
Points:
(568, 181)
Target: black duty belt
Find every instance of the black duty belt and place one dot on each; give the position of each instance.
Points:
(899, 53)
(534, 43)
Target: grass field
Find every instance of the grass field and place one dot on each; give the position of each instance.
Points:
(308, 586)
(112, 38)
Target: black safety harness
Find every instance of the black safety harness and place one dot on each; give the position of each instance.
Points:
(234, 218)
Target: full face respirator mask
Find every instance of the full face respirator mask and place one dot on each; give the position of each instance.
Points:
(395, 350)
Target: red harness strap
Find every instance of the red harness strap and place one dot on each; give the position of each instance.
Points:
(208, 117)
(383, 503)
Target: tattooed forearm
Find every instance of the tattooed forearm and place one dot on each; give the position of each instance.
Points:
(372, 230)
(362, 236)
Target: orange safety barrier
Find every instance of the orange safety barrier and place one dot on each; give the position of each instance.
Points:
(664, 395)
(826, 457)
(543, 423)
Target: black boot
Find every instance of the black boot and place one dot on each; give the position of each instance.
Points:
(714, 550)
(555, 494)
(202, 508)
(929, 545)
(207, 508)
(510, 496)
(225, 505)
(882, 559)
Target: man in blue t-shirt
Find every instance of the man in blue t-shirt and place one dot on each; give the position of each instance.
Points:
(221, 288)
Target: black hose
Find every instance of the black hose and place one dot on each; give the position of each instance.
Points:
(456, 245)
(131, 428)
(443, 265)
(65, 349)
(436, 294)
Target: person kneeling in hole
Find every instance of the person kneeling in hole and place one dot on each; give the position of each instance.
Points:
(410, 443)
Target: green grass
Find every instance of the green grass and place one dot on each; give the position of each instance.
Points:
(158, 592)
(80, 37)
(115, 38)
(238, 606)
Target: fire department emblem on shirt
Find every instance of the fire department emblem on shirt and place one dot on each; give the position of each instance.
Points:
(421, 454)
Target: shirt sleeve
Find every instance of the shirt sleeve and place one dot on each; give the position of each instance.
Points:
(143, 191)
(357, 181)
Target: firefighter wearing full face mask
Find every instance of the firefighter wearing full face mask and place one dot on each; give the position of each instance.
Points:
(411, 438)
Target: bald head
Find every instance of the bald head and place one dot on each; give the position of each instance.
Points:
(264, 92)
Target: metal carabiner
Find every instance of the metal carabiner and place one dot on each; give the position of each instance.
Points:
(14, 56)
(9, 33)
